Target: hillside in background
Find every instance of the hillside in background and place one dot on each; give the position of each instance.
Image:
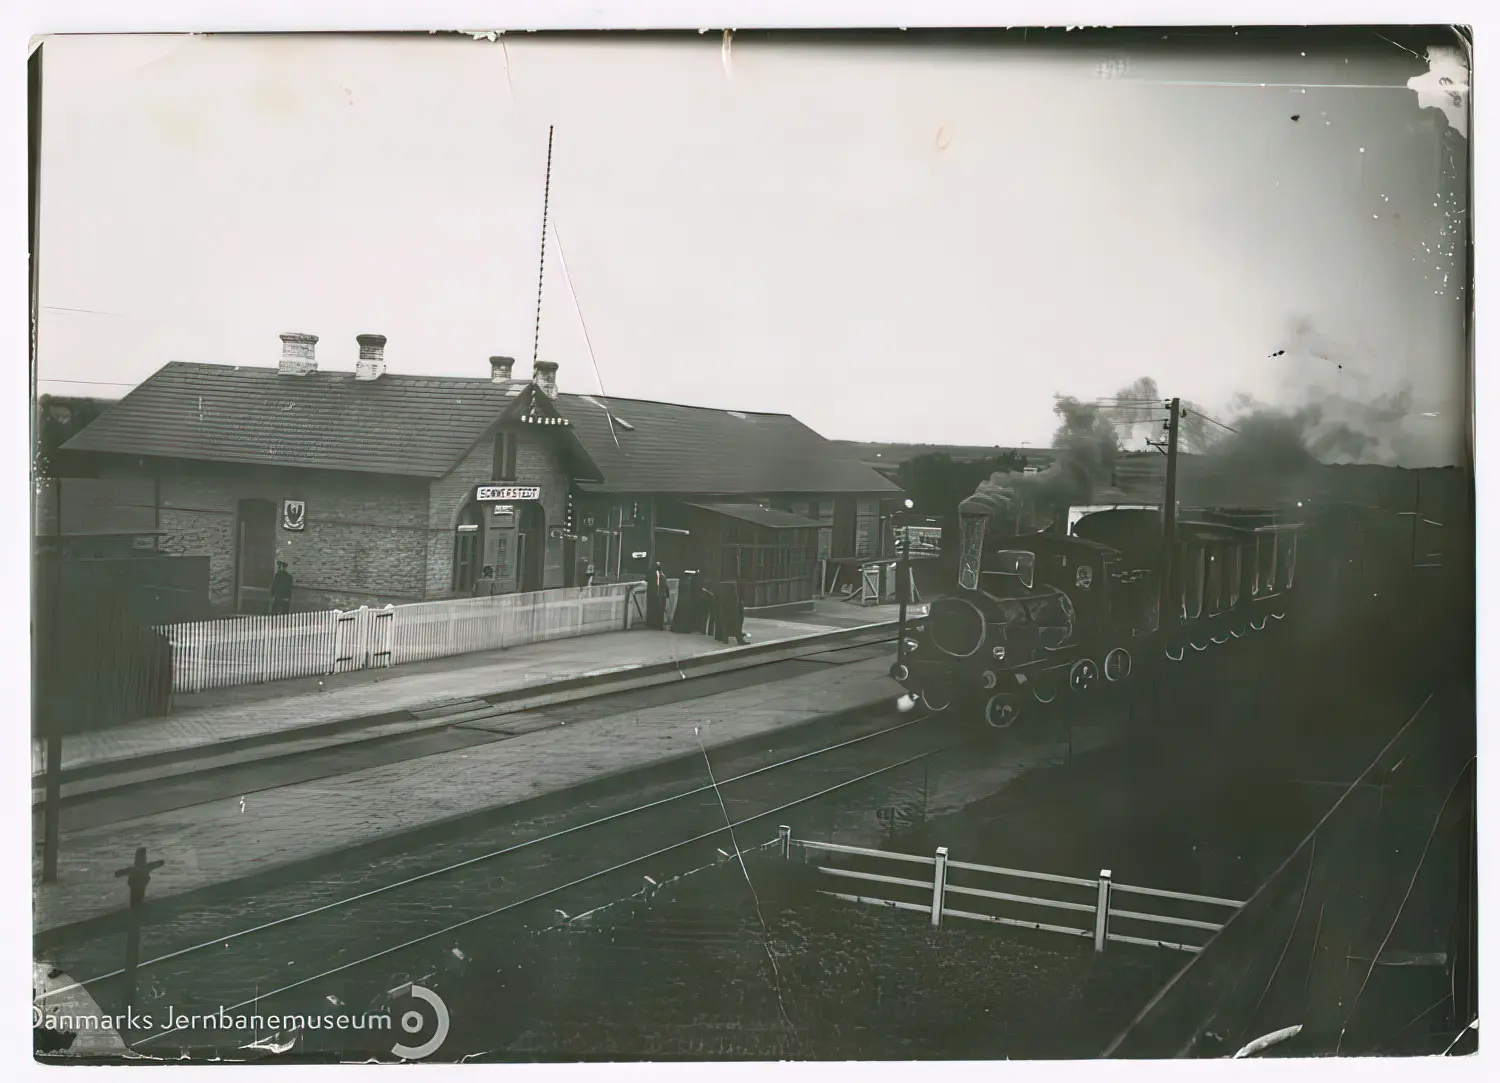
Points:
(887, 458)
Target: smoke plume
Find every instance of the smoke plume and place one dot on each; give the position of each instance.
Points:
(1249, 452)
(1338, 414)
(1087, 442)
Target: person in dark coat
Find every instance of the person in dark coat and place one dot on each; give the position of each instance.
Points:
(709, 607)
(686, 617)
(656, 598)
(731, 614)
(281, 590)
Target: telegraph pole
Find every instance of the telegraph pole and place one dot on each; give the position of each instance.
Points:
(1167, 596)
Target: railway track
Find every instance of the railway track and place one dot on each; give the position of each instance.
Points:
(347, 945)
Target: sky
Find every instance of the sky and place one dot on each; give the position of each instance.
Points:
(902, 241)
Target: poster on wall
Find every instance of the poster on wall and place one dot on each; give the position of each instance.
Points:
(294, 514)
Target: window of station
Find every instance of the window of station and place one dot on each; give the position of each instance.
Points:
(1235, 566)
(503, 467)
(1289, 557)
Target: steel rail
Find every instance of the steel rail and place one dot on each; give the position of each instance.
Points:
(481, 858)
(537, 897)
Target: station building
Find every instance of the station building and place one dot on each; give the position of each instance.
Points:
(381, 488)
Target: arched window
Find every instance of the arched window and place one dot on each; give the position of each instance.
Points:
(467, 548)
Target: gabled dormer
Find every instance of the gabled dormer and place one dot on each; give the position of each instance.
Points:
(533, 415)
(534, 407)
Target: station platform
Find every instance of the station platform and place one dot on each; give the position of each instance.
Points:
(290, 709)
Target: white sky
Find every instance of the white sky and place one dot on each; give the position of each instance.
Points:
(903, 243)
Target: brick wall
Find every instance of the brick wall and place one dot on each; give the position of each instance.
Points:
(536, 464)
(363, 543)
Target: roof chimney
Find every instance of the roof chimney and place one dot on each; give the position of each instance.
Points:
(371, 364)
(545, 375)
(297, 354)
(500, 369)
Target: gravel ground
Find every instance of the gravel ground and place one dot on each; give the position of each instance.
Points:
(693, 977)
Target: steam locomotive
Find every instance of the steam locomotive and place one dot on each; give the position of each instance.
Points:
(1033, 615)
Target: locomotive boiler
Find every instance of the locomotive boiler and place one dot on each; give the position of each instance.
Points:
(1035, 616)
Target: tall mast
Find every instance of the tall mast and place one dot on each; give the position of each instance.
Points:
(536, 340)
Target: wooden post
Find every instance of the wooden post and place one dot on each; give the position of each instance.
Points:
(785, 834)
(137, 876)
(1101, 915)
(650, 537)
(939, 885)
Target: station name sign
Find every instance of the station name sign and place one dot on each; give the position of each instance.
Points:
(508, 492)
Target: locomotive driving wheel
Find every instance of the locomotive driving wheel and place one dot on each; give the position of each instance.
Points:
(1117, 664)
(1083, 675)
(1044, 688)
(1002, 709)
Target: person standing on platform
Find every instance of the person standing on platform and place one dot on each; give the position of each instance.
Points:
(731, 614)
(281, 590)
(710, 619)
(656, 599)
(686, 616)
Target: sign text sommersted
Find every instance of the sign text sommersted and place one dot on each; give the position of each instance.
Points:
(508, 492)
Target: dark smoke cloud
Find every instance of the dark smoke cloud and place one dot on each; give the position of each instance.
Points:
(1088, 445)
(1260, 454)
(1339, 415)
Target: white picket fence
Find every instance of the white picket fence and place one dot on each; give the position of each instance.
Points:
(251, 650)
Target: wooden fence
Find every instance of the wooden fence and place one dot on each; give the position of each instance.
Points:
(252, 650)
(1073, 895)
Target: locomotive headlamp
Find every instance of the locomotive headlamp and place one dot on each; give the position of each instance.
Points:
(998, 652)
